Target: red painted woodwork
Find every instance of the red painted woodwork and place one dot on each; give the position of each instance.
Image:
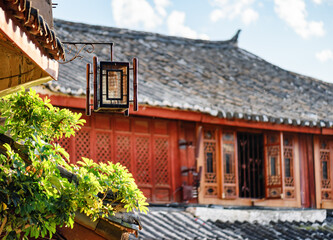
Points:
(148, 111)
(79, 233)
(272, 153)
(187, 156)
(145, 146)
(326, 173)
(230, 185)
(289, 162)
(211, 165)
(327, 131)
(308, 197)
(156, 150)
(100, 230)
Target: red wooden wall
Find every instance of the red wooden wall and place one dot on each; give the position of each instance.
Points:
(147, 147)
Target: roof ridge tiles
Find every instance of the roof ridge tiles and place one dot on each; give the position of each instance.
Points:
(135, 34)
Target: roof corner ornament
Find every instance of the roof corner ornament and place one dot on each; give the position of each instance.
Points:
(111, 80)
(234, 39)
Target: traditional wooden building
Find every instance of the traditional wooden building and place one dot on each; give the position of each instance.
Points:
(261, 135)
(29, 54)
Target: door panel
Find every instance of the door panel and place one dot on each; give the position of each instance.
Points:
(229, 165)
(273, 165)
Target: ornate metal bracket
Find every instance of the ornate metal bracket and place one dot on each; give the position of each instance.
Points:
(76, 48)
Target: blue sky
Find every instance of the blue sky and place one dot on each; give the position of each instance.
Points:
(296, 35)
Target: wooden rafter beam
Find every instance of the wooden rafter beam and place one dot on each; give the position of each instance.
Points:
(12, 34)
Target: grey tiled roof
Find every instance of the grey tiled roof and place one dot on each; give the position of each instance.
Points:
(214, 77)
(177, 224)
(168, 223)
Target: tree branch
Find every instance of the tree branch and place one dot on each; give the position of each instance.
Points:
(18, 148)
(3, 224)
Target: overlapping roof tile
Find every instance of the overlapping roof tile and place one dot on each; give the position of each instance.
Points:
(214, 77)
(177, 223)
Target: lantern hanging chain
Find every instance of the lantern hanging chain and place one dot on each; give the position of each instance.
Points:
(87, 47)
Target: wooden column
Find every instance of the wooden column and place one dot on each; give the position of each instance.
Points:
(175, 163)
(190, 151)
(182, 155)
(186, 146)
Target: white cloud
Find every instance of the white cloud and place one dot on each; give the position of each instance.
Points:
(232, 9)
(324, 55)
(160, 6)
(175, 23)
(139, 13)
(293, 12)
(317, 1)
(216, 14)
(249, 15)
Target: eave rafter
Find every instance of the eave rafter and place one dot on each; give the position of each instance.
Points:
(23, 62)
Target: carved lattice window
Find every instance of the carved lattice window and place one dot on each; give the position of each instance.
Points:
(273, 163)
(65, 143)
(229, 165)
(143, 146)
(123, 150)
(140, 144)
(82, 144)
(210, 165)
(142, 160)
(161, 151)
(325, 175)
(103, 147)
(288, 155)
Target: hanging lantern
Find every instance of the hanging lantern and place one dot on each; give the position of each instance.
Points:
(113, 86)
(111, 89)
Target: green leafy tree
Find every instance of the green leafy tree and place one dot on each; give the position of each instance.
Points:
(34, 197)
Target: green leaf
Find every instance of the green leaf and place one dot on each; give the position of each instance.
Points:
(54, 180)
